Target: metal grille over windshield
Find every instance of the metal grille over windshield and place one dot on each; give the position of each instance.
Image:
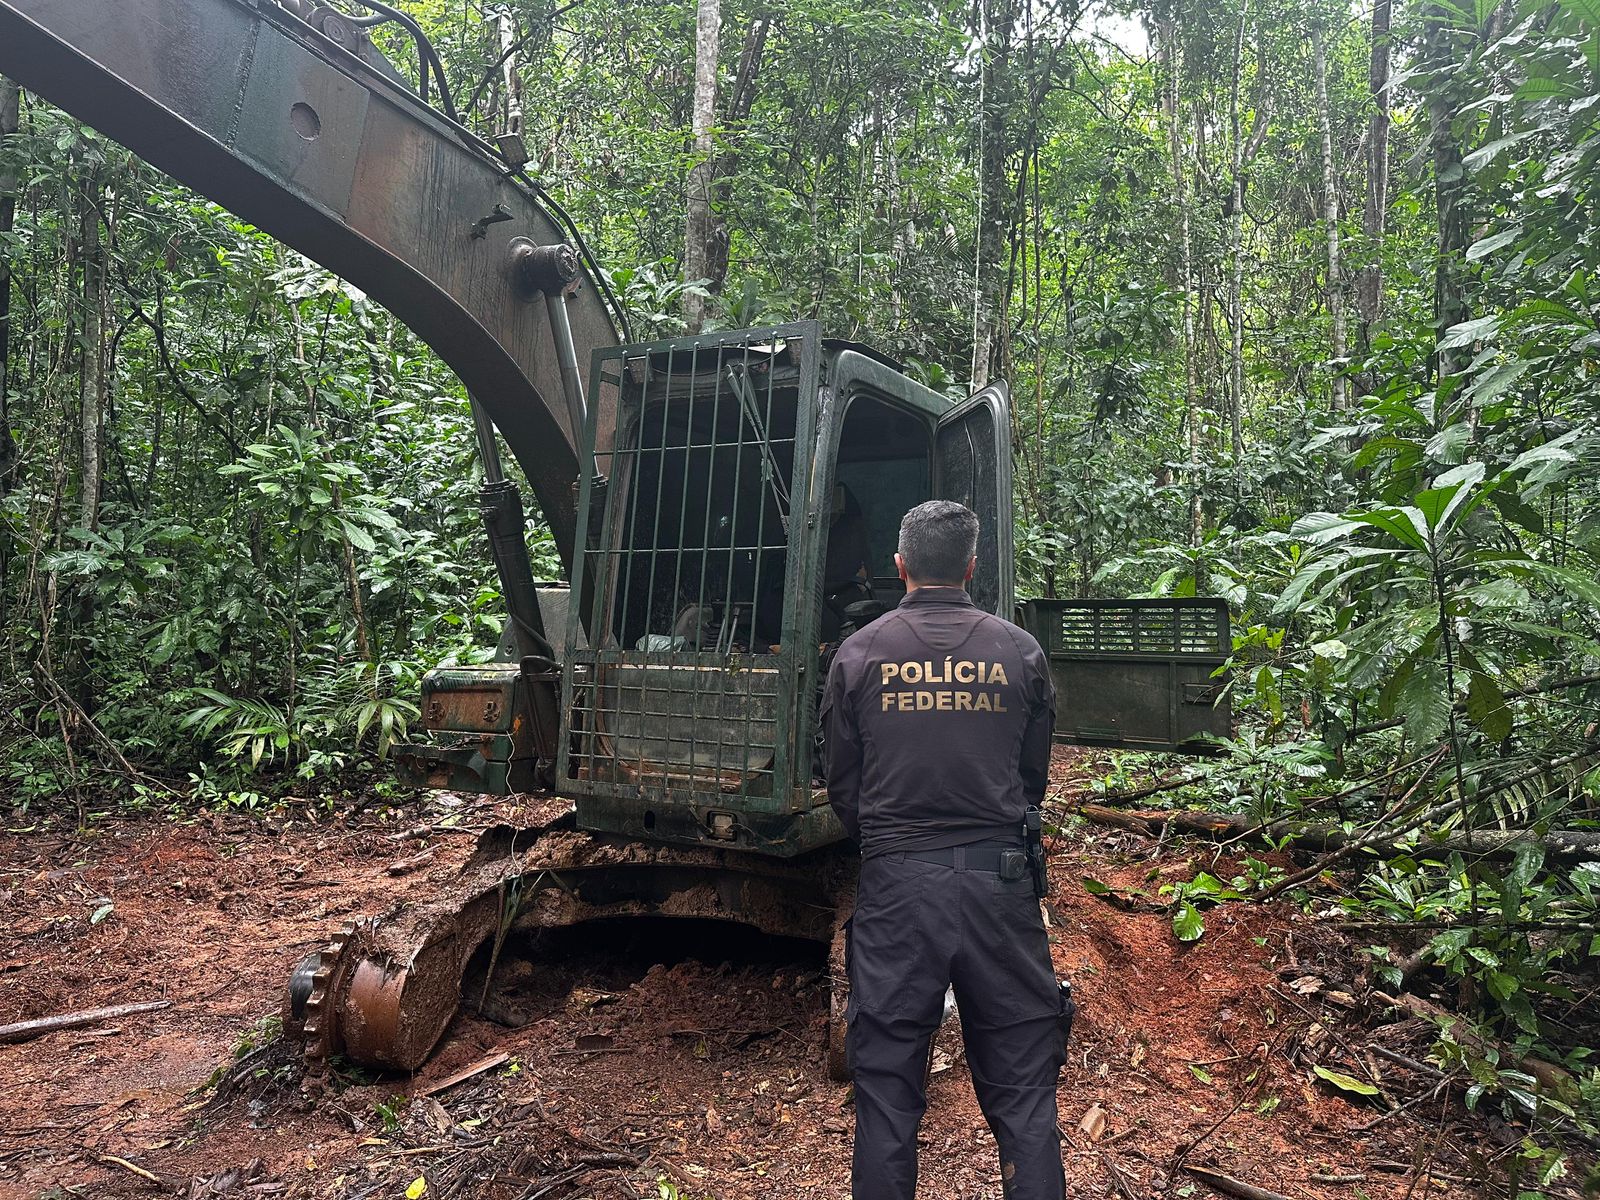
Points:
(685, 692)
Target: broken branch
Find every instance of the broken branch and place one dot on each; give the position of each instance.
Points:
(461, 1076)
(1229, 1186)
(1565, 845)
(24, 1031)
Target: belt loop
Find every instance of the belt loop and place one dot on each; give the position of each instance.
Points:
(961, 858)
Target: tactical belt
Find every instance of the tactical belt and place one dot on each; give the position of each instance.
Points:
(964, 858)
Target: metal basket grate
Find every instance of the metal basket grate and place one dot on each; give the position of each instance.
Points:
(1140, 627)
(688, 593)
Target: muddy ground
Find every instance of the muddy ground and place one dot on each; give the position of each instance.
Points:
(651, 1064)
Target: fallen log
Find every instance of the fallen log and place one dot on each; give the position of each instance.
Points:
(1229, 1186)
(1550, 1077)
(1560, 845)
(461, 1076)
(24, 1031)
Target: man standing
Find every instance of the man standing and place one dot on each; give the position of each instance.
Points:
(938, 719)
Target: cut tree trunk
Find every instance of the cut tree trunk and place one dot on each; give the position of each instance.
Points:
(1564, 845)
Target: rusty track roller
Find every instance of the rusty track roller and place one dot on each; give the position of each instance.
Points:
(383, 991)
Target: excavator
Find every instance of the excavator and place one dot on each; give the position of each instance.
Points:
(725, 507)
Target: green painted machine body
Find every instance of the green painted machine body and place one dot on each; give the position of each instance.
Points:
(739, 520)
(737, 513)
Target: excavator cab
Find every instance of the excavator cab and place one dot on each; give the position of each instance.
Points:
(740, 523)
(739, 503)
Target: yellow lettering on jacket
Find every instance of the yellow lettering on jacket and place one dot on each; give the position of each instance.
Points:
(890, 671)
(911, 672)
(963, 701)
(966, 672)
(997, 673)
(942, 702)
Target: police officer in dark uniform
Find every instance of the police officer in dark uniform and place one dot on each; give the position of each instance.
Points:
(938, 719)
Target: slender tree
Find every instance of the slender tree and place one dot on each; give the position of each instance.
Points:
(1171, 52)
(1440, 50)
(700, 226)
(995, 200)
(10, 106)
(1330, 215)
(92, 368)
(1369, 282)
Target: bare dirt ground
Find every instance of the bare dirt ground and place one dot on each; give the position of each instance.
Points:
(649, 1066)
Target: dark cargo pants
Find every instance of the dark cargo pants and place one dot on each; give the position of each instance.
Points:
(918, 928)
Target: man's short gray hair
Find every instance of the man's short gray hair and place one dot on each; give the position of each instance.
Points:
(937, 541)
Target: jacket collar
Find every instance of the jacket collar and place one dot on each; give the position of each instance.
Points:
(939, 595)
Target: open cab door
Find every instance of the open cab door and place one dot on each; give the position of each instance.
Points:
(972, 466)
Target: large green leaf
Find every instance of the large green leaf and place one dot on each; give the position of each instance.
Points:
(1584, 10)
(1581, 586)
(1495, 241)
(1319, 528)
(1440, 503)
(1403, 522)
(1345, 1083)
(1423, 702)
(1467, 332)
(1518, 512)
(1187, 922)
(1544, 88)
(1450, 443)
(1487, 707)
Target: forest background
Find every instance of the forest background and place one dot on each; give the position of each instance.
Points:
(1297, 301)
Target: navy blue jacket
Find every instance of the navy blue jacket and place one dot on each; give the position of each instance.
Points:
(937, 719)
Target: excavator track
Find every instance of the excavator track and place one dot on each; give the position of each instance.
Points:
(384, 990)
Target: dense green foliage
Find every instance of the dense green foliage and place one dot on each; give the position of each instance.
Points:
(1286, 320)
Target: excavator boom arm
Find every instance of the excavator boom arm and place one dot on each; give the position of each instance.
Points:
(288, 126)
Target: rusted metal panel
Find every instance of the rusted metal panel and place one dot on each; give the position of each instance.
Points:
(253, 108)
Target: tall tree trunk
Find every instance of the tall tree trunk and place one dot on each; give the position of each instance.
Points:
(1369, 284)
(92, 373)
(1171, 52)
(1449, 184)
(506, 28)
(352, 578)
(10, 108)
(1236, 261)
(994, 192)
(1330, 217)
(700, 227)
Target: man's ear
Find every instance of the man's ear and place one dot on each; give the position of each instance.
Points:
(972, 565)
(900, 568)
